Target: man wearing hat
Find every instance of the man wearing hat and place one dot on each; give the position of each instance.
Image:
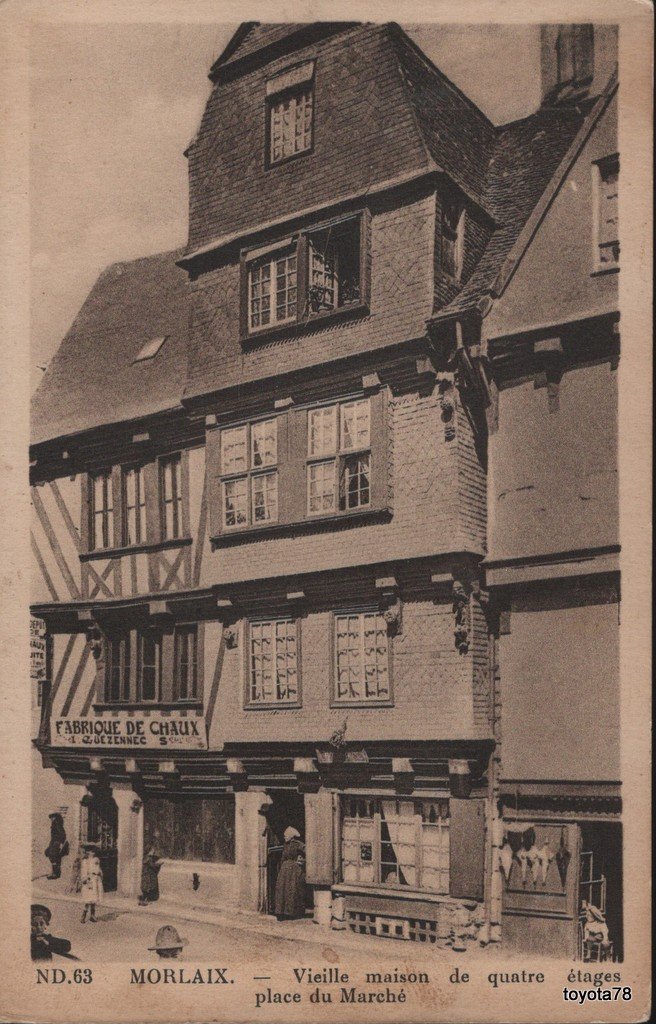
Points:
(42, 943)
(168, 943)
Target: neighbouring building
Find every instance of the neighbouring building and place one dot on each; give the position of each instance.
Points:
(325, 504)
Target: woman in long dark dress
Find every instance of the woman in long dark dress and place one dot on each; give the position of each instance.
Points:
(149, 877)
(58, 845)
(290, 887)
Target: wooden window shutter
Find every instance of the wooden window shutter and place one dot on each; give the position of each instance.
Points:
(319, 838)
(184, 486)
(467, 848)
(85, 511)
(302, 279)
(243, 297)
(292, 448)
(153, 511)
(212, 470)
(365, 257)
(380, 467)
(167, 666)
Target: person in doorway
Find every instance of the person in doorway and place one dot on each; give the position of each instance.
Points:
(290, 886)
(42, 943)
(91, 880)
(58, 845)
(149, 877)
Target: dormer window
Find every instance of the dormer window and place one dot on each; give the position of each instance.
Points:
(453, 236)
(290, 109)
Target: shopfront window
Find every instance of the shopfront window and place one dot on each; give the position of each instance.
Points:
(196, 829)
(389, 841)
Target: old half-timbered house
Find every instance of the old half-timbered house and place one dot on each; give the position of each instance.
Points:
(260, 484)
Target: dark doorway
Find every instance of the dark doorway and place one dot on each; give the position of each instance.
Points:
(600, 881)
(287, 808)
(99, 824)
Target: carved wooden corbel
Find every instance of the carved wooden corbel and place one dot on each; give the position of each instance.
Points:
(461, 611)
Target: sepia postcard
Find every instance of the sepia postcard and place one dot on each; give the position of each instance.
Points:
(326, 441)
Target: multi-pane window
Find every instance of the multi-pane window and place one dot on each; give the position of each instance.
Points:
(134, 505)
(149, 666)
(185, 662)
(343, 432)
(102, 511)
(362, 670)
(290, 123)
(170, 490)
(453, 228)
(272, 291)
(607, 245)
(117, 669)
(273, 662)
(276, 294)
(396, 842)
(249, 457)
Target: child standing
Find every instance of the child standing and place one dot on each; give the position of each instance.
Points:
(91, 880)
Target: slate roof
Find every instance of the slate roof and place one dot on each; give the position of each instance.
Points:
(523, 160)
(92, 379)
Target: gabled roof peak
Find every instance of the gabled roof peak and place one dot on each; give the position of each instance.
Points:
(255, 42)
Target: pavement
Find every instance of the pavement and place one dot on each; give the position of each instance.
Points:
(124, 932)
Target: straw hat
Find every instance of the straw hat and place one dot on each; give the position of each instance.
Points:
(167, 938)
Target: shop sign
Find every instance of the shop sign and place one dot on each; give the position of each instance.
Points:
(140, 729)
(37, 649)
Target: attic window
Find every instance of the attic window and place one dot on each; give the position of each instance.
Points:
(289, 117)
(150, 349)
(453, 229)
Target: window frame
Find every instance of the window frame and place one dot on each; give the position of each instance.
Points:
(271, 260)
(125, 697)
(190, 629)
(139, 468)
(262, 705)
(108, 513)
(341, 702)
(339, 455)
(269, 103)
(300, 244)
(154, 634)
(250, 475)
(417, 819)
(177, 501)
(610, 163)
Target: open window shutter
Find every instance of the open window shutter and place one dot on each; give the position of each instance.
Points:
(292, 442)
(319, 837)
(117, 504)
(151, 489)
(467, 848)
(365, 257)
(212, 470)
(184, 485)
(243, 297)
(302, 278)
(85, 511)
(380, 468)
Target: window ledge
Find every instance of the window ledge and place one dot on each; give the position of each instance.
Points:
(602, 271)
(180, 705)
(356, 309)
(362, 703)
(274, 706)
(250, 533)
(135, 549)
(398, 893)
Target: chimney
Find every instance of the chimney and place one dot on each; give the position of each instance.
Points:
(576, 61)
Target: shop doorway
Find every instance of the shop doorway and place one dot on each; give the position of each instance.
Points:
(287, 808)
(99, 824)
(600, 882)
